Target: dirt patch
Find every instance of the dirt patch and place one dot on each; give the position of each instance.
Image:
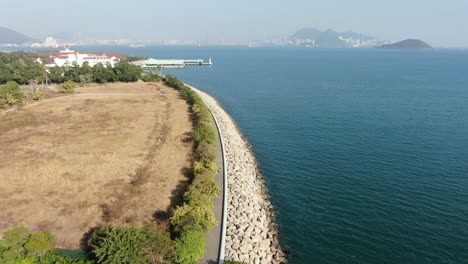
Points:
(111, 154)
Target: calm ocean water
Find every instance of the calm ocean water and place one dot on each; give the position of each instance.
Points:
(365, 152)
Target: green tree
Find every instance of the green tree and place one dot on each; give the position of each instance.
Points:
(121, 245)
(39, 243)
(86, 69)
(12, 245)
(103, 74)
(6, 72)
(127, 72)
(56, 74)
(19, 245)
(72, 73)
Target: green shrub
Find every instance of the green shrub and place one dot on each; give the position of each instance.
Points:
(161, 247)
(201, 112)
(39, 243)
(204, 133)
(10, 94)
(19, 245)
(201, 192)
(204, 185)
(113, 244)
(150, 77)
(67, 87)
(39, 94)
(190, 246)
(204, 167)
(206, 152)
(173, 82)
(193, 215)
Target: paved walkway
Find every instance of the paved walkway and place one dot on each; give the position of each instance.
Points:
(214, 237)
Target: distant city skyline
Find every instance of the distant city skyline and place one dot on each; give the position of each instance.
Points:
(441, 24)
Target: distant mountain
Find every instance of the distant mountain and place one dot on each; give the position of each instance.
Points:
(313, 33)
(86, 37)
(8, 36)
(307, 33)
(66, 36)
(312, 37)
(414, 44)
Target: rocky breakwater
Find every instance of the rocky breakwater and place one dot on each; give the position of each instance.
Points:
(251, 235)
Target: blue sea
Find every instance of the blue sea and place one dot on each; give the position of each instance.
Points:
(364, 152)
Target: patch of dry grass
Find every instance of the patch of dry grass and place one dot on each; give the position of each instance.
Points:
(17, 120)
(114, 154)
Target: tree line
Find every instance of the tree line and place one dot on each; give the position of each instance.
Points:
(18, 68)
(99, 73)
(21, 68)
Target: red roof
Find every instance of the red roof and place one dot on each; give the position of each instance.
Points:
(103, 56)
(110, 55)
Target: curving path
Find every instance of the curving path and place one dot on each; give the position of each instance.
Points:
(215, 238)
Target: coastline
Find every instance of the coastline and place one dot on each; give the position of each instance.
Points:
(251, 233)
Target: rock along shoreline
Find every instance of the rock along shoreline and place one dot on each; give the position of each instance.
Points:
(251, 233)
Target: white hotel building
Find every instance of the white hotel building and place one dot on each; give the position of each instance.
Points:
(69, 57)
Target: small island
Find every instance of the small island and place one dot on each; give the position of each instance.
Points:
(409, 44)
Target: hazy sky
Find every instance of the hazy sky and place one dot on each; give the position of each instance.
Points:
(439, 22)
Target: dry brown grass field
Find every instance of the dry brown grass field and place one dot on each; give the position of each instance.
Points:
(112, 154)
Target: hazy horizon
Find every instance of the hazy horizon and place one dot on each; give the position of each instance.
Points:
(438, 23)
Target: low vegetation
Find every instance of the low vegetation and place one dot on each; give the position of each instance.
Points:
(10, 94)
(67, 87)
(19, 245)
(150, 77)
(190, 220)
(121, 245)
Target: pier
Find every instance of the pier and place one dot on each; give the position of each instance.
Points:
(152, 64)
